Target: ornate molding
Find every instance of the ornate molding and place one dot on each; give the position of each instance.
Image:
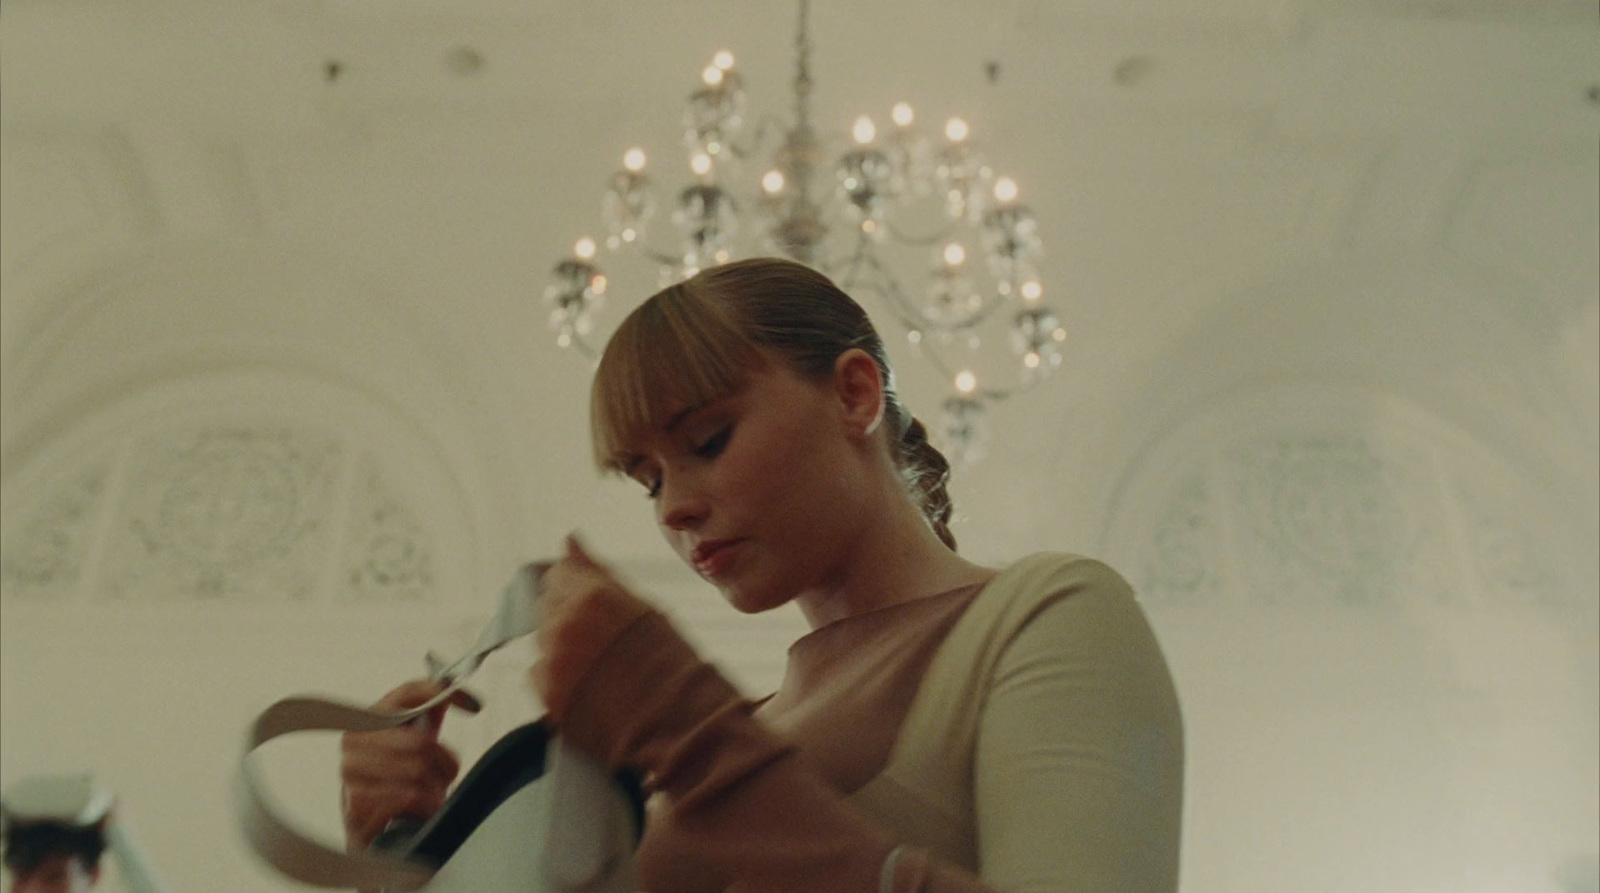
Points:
(388, 556)
(242, 488)
(45, 561)
(1313, 495)
(236, 512)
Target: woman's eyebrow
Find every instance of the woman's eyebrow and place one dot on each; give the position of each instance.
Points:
(630, 463)
(682, 414)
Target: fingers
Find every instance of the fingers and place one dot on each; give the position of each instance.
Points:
(577, 553)
(386, 775)
(403, 771)
(382, 786)
(410, 694)
(585, 606)
(369, 810)
(465, 700)
(396, 756)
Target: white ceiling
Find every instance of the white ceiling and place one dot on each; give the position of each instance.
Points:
(1186, 160)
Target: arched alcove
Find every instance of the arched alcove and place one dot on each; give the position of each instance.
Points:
(1472, 346)
(1316, 494)
(185, 313)
(245, 486)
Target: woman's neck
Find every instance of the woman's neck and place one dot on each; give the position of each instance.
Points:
(898, 558)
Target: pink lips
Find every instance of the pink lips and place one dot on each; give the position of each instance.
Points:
(712, 557)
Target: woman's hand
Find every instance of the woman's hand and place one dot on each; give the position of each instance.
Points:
(582, 608)
(398, 772)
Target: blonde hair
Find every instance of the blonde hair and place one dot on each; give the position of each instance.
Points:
(696, 341)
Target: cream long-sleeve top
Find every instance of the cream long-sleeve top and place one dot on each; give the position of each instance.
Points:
(1020, 736)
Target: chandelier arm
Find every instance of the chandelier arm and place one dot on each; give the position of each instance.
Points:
(988, 307)
(991, 393)
(887, 286)
(912, 316)
(661, 257)
(582, 345)
(836, 268)
(905, 238)
(846, 269)
(651, 253)
(758, 137)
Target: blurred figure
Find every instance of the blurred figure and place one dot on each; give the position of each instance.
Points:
(55, 832)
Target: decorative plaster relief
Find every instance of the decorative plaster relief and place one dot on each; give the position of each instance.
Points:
(46, 560)
(1334, 498)
(1507, 566)
(386, 552)
(1179, 567)
(241, 513)
(240, 488)
(1333, 518)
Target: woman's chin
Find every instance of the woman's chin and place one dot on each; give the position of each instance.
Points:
(748, 601)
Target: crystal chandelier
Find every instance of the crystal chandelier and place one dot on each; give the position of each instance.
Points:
(923, 224)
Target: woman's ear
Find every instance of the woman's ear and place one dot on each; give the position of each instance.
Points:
(858, 384)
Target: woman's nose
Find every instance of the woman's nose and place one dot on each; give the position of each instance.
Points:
(682, 506)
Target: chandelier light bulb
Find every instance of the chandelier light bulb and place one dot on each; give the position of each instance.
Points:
(864, 131)
(856, 219)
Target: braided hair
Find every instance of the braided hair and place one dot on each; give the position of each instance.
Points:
(695, 341)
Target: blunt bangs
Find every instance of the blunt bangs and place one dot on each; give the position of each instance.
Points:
(679, 349)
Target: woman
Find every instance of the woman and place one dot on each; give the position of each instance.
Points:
(944, 727)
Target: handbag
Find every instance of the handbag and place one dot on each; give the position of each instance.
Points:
(532, 815)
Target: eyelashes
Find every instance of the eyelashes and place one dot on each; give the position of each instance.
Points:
(710, 448)
(713, 446)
